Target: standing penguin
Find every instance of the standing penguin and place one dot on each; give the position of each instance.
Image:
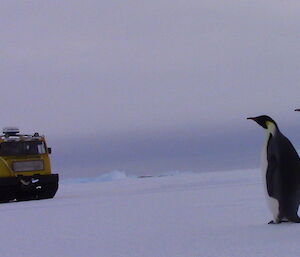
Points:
(281, 172)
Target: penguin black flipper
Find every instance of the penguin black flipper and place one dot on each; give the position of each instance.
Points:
(273, 172)
(271, 178)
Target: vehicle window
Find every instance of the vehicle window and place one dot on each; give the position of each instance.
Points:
(22, 148)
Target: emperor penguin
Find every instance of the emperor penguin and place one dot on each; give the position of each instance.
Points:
(280, 168)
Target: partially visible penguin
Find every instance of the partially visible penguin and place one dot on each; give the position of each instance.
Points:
(281, 172)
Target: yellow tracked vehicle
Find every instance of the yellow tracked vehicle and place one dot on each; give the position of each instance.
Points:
(25, 170)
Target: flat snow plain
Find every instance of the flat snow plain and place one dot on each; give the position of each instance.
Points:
(189, 215)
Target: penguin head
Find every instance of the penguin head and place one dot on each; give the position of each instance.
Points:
(265, 121)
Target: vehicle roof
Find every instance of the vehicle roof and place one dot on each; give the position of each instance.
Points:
(20, 137)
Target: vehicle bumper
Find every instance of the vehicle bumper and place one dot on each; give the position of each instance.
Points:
(23, 188)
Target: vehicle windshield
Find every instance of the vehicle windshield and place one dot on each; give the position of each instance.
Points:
(22, 148)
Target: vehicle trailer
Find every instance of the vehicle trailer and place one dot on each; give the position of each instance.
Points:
(25, 170)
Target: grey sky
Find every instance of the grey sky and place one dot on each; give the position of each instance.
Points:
(114, 69)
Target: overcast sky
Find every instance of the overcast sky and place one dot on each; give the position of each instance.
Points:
(150, 80)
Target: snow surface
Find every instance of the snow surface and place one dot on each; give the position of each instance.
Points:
(188, 215)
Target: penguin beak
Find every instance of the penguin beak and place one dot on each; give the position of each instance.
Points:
(297, 110)
(258, 121)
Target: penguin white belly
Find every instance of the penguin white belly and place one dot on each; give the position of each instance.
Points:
(272, 202)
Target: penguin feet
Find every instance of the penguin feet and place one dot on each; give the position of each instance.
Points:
(278, 221)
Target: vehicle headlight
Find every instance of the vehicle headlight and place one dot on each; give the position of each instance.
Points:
(28, 165)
